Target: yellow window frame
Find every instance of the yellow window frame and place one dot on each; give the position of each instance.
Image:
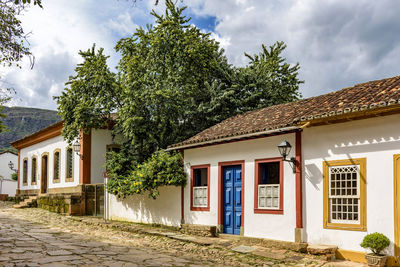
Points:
(362, 226)
(56, 180)
(25, 171)
(69, 179)
(34, 170)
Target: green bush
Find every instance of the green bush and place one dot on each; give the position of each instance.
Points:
(161, 169)
(376, 242)
(14, 176)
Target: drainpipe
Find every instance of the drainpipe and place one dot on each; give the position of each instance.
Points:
(299, 189)
(182, 191)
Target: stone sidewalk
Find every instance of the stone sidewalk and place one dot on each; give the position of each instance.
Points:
(35, 237)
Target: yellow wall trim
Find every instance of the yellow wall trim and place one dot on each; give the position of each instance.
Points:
(358, 256)
(396, 197)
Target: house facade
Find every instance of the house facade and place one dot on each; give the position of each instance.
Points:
(8, 186)
(48, 165)
(339, 182)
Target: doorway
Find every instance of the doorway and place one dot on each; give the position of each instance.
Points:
(44, 174)
(232, 199)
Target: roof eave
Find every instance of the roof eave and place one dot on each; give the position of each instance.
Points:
(231, 138)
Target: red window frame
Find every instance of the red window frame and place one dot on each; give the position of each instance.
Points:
(192, 168)
(257, 182)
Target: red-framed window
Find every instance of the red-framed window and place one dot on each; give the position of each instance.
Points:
(200, 188)
(268, 186)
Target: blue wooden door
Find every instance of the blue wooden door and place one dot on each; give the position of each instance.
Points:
(232, 199)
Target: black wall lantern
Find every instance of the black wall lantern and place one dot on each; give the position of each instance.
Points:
(11, 166)
(77, 149)
(284, 149)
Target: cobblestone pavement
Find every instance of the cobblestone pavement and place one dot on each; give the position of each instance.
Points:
(35, 237)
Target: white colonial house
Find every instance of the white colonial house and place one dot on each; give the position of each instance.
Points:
(339, 182)
(49, 167)
(8, 186)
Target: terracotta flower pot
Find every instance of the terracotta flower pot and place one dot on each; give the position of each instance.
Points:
(376, 260)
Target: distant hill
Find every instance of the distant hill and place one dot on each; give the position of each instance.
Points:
(22, 121)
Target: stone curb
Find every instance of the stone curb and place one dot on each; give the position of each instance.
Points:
(203, 241)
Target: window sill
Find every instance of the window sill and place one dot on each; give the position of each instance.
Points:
(268, 211)
(69, 179)
(200, 208)
(33, 183)
(55, 181)
(345, 226)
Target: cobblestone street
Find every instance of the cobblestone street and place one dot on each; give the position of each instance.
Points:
(35, 237)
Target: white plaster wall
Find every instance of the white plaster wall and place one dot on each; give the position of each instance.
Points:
(5, 158)
(9, 187)
(140, 208)
(272, 226)
(100, 139)
(37, 150)
(375, 139)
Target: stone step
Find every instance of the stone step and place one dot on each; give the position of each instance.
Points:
(319, 249)
(26, 202)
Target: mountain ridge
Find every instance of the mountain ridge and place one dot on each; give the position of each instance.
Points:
(23, 121)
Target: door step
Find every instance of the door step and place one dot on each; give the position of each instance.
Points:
(26, 203)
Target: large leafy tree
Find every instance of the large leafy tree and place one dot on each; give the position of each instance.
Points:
(164, 72)
(173, 81)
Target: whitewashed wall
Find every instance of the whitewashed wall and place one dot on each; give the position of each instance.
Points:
(100, 139)
(375, 139)
(5, 158)
(49, 145)
(9, 187)
(140, 208)
(273, 226)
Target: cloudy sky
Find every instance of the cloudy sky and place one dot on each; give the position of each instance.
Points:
(338, 43)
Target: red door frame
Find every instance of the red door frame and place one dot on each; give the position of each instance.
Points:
(221, 189)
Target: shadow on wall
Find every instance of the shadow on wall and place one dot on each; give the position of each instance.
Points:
(313, 174)
(166, 209)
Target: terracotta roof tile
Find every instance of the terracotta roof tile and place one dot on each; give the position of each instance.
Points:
(364, 96)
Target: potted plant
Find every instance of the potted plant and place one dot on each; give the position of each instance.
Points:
(376, 242)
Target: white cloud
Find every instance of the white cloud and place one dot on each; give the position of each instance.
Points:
(337, 43)
(59, 31)
(123, 24)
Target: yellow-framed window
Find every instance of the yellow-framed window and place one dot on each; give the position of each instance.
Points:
(56, 165)
(34, 170)
(344, 183)
(25, 171)
(69, 171)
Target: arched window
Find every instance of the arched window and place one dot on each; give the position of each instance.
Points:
(56, 166)
(69, 172)
(34, 170)
(25, 171)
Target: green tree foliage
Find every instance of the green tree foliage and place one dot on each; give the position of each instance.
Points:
(164, 72)
(91, 97)
(267, 80)
(173, 81)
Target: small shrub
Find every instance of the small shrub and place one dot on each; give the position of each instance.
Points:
(14, 176)
(376, 242)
